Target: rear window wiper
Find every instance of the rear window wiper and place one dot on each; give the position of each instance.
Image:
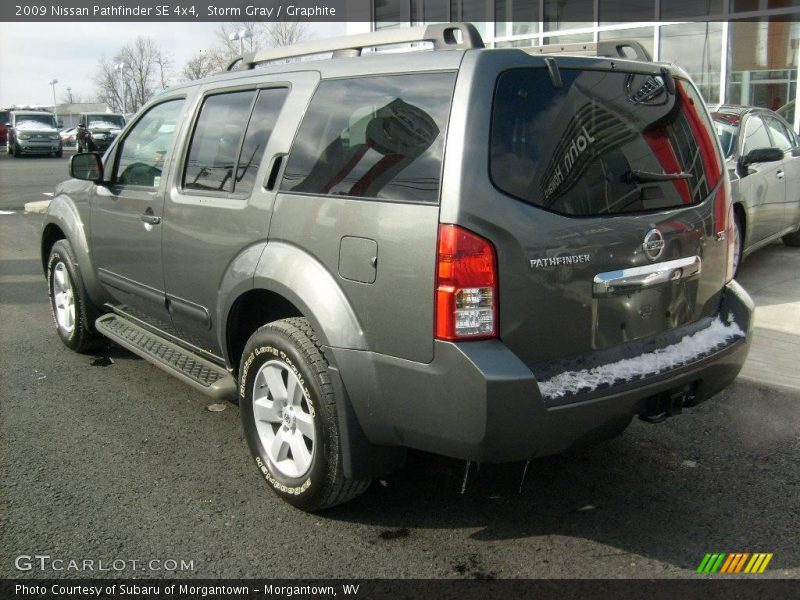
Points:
(649, 176)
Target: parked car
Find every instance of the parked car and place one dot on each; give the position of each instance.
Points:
(96, 131)
(4, 120)
(68, 136)
(32, 132)
(762, 156)
(482, 253)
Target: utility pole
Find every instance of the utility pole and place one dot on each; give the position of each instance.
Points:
(53, 83)
(121, 68)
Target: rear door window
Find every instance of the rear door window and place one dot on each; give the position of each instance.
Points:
(602, 143)
(373, 137)
(216, 142)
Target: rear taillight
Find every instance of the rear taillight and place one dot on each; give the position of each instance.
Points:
(708, 146)
(724, 204)
(466, 286)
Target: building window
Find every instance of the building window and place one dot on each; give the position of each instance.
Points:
(516, 17)
(755, 5)
(626, 11)
(579, 12)
(675, 10)
(697, 47)
(762, 62)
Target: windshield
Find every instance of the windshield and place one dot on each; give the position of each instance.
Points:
(602, 143)
(106, 121)
(35, 121)
(727, 136)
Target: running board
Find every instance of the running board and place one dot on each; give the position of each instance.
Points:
(209, 378)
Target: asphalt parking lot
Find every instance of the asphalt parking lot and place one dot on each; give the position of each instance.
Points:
(113, 459)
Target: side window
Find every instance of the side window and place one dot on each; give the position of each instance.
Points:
(373, 137)
(259, 129)
(755, 135)
(216, 141)
(144, 150)
(780, 136)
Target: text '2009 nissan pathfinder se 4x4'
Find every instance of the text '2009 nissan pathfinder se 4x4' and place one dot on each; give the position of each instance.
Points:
(491, 254)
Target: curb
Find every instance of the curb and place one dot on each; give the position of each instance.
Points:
(37, 207)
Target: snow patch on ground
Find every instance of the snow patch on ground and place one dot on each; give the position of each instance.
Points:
(689, 349)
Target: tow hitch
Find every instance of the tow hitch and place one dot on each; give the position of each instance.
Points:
(668, 404)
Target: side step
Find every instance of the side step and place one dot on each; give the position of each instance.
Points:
(209, 378)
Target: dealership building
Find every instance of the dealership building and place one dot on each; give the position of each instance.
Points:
(737, 51)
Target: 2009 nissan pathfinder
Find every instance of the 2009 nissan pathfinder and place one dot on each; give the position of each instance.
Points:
(491, 254)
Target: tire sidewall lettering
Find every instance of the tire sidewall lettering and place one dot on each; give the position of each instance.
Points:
(258, 356)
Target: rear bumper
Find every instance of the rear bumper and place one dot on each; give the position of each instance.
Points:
(478, 401)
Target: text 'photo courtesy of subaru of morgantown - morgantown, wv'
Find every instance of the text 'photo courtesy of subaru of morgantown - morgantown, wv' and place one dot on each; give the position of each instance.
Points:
(487, 254)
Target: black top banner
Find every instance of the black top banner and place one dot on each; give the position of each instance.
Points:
(549, 12)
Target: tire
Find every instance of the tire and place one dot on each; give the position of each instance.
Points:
(59, 153)
(17, 151)
(792, 239)
(283, 358)
(738, 242)
(9, 148)
(72, 310)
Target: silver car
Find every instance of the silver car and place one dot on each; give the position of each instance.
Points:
(762, 155)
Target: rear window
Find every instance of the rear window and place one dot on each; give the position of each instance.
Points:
(601, 144)
(373, 137)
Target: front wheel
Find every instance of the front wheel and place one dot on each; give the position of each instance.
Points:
(288, 410)
(73, 311)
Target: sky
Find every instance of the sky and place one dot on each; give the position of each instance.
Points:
(35, 53)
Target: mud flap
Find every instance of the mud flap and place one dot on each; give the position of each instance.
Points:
(362, 459)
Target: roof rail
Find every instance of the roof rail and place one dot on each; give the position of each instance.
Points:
(443, 35)
(610, 49)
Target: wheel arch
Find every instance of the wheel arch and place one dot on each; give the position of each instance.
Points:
(740, 211)
(275, 281)
(63, 221)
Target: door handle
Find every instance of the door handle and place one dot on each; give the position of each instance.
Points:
(779, 174)
(151, 219)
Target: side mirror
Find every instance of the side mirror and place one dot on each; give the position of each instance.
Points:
(87, 167)
(758, 155)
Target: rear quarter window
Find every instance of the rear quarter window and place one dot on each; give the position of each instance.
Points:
(378, 137)
(597, 145)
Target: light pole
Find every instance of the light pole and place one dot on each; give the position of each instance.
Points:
(53, 82)
(240, 35)
(69, 94)
(121, 68)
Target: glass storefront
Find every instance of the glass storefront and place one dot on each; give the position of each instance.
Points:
(753, 61)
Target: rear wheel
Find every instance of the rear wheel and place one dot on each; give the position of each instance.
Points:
(73, 311)
(289, 416)
(792, 239)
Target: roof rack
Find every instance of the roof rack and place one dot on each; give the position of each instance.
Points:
(445, 36)
(610, 49)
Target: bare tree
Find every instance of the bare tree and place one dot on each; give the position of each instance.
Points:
(202, 64)
(261, 35)
(286, 33)
(146, 71)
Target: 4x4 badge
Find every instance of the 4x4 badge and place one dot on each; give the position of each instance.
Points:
(653, 244)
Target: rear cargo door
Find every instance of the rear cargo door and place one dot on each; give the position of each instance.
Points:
(612, 205)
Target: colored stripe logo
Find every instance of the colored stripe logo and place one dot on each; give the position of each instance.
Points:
(737, 562)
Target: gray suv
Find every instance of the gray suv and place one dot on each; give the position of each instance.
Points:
(490, 254)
